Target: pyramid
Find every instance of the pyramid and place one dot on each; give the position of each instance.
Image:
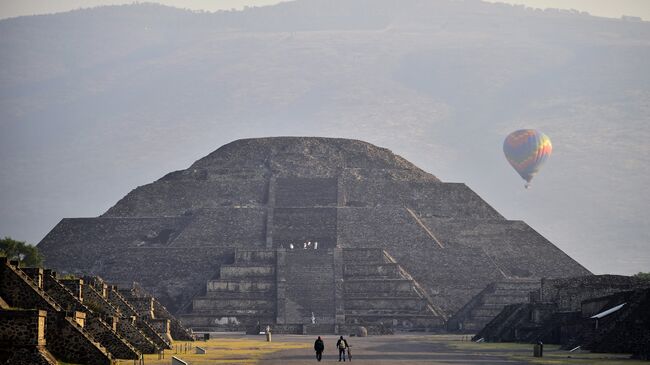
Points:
(223, 242)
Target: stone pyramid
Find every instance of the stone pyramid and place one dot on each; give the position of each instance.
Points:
(190, 239)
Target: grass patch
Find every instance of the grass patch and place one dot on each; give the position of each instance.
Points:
(240, 351)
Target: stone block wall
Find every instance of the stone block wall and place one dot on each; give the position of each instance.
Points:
(22, 338)
(25, 356)
(569, 293)
(513, 246)
(306, 192)
(22, 328)
(175, 197)
(237, 227)
(105, 235)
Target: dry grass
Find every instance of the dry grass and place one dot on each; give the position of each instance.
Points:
(240, 351)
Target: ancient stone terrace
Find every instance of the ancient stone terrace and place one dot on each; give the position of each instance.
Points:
(178, 236)
(333, 288)
(74, 321)
(22, 337)
(562, 312)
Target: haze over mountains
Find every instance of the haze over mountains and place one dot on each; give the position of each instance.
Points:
(96, 102)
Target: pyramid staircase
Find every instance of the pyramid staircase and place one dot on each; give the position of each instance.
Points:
(380, 293)
(242, 295)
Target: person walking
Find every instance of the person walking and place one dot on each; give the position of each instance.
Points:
(319, 347)
(342, 345)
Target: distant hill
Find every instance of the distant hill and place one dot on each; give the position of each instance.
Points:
(96, 101)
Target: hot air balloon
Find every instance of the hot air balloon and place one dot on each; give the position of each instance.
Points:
(526, 150)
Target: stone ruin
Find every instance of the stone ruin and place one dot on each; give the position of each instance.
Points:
(398, 249)
(602, 313)
(45, 318)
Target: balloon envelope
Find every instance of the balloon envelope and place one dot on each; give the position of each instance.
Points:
(526, 150)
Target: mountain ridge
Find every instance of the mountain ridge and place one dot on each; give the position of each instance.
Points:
(87, 112)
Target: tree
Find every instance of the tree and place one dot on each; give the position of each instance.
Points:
(643, 275)
(28, 255)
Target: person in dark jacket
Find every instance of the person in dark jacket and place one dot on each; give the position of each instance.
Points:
(319, 347)
(342, 345)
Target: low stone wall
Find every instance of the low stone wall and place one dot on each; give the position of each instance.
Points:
(143, 306)
(96, 302)
(144, 326)
(139, 340)
(162, 328)
(569, 293)
(74, 285)
(62, 295)
(22, 328)
(114, 343)
(68, 342)
(121, 303)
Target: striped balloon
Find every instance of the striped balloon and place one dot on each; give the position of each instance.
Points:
(526, 150)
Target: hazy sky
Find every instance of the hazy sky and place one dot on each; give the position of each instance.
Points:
(607, 8)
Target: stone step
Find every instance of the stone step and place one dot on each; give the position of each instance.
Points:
(239, 286)
(316, 329)
(244, 272)
(382, 295)
(381, 303)
(388, 313)
(232, 312)
(254, 256)
(377, 286)
(396, 321)
(372, 270)
(225, 321)
(356, 256)
(249, 295)
(219, 304)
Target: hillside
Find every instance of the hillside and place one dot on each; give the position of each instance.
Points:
(94, 102)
